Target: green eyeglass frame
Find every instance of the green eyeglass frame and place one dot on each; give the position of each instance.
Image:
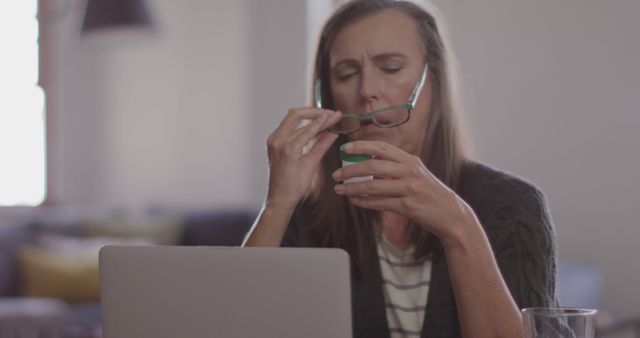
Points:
(413, 99)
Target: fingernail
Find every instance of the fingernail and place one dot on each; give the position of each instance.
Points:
(339, 188)
(337, 174)
(348, 147)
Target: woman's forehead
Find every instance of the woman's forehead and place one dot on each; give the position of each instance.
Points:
(388, 31)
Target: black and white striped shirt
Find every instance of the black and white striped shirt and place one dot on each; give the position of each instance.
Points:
(406, 285)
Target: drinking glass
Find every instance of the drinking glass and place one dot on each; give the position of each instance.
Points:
(558, 322)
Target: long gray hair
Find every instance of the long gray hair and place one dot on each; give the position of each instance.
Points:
(333, 220)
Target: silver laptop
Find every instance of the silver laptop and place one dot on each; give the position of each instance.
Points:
(223, 292)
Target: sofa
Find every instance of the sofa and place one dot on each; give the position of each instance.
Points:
(48, 260)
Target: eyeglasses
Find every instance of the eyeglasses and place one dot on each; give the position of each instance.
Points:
(384, 118)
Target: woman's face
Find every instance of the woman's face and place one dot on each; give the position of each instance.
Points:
(375, 63)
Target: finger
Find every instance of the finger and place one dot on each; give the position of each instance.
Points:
(374, 188)
(296, 115)
(303, 127)
(387, 204)
(374, 167)
(296, 138)
(324, 141)
(292, 136)
(378, 149)
(311, 130)
(293, 119)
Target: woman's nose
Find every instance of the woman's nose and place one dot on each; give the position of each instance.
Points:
(369, 86)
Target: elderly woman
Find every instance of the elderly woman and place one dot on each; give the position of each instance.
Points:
(441, 246)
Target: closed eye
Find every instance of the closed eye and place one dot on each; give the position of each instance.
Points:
(390, 70)
(345, 69)
(346, 75)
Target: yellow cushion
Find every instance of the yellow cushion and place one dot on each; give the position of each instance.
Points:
(161, 231)
(51, 273)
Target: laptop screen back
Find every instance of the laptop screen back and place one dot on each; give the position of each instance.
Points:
(168, 292)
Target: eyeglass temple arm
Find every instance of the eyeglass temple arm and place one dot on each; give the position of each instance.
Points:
(317, 93)
(418, 87)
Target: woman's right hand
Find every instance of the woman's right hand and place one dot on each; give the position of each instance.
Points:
(291, 165)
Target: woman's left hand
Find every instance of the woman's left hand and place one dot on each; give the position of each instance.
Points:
(402, 184)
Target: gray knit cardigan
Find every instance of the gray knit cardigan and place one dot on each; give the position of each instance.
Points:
(514, 216)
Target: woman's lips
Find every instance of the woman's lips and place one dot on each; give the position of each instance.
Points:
(369, 131)
(370, 127)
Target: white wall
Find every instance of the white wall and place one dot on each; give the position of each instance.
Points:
(282, 45)
(556, 87)
(278, 70)
(177, 108)
(161, 119)
(181, 118)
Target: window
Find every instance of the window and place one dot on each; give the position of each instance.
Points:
(22, 115)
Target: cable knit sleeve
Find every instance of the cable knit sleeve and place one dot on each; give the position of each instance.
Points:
(519, 227)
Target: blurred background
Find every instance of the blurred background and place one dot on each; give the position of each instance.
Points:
(174, 115)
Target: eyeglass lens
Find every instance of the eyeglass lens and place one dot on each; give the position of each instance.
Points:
(385, 118)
